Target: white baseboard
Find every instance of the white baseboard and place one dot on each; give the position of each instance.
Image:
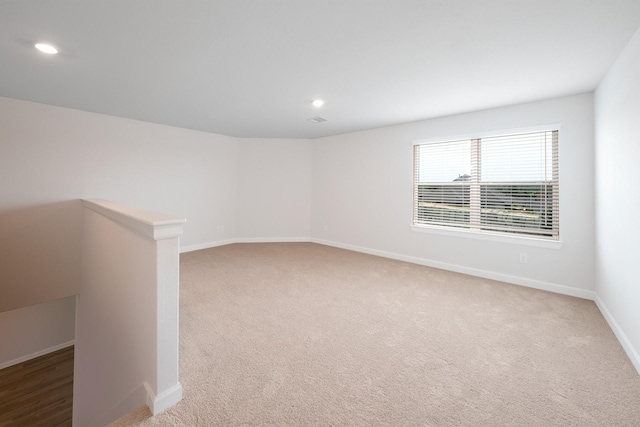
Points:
(622, 337)
(36, 354)
(216, 243)
(272, 239)
(206, 245)
(164, 400)
(523, 281)
(516, 280)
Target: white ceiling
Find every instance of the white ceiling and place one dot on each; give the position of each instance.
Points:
(250, 68)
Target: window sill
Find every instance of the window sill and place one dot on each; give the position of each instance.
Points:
(484, 235)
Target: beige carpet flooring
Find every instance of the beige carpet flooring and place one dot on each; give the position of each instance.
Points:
(299, 334)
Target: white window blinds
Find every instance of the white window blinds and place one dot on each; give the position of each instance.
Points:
(506, 184)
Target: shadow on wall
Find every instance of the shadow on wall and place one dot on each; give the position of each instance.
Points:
(40, 253)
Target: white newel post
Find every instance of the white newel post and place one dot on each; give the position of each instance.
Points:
(127, 314)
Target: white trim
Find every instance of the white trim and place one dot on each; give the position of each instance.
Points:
(632, 353)
(489, 134)
(164, 400)
(151, 224)
(37, 354)
(206, 245)
(217, 243)
(486, 235)
(516, 280)
(272, 239)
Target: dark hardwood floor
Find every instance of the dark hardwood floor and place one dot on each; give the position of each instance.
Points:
(38, 392)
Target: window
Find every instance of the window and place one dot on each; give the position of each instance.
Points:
(501, 184)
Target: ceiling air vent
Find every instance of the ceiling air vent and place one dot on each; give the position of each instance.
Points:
(317, 119)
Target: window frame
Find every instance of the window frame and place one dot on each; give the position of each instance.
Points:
(521, 239)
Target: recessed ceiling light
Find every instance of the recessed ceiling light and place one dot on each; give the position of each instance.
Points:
(317, 103)
(46, 48)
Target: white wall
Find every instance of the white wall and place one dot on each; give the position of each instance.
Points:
(39, 250)
(50, 157)
(617, 148)
(52, 154)
(362, 192)
(32, 331)
(127, 317)
(274, 189)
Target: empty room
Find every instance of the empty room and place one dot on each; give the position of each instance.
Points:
(286, 212)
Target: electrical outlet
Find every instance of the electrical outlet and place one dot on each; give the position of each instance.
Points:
(220, 229)
(523, 258)
(326, 228)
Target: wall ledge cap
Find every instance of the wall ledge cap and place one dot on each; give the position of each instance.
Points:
(154, 225)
